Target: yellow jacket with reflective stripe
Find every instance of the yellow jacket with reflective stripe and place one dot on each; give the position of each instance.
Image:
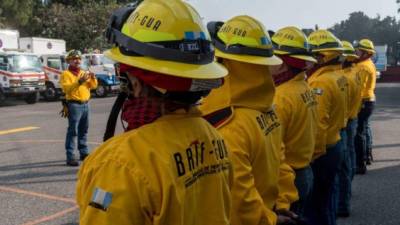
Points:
(367, 72)
(253, 135)
(174, 171)
(72, 89)
(296, 107)
(331, 88)
(354, 98)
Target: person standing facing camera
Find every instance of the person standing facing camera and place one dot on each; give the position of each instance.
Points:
(76, 85)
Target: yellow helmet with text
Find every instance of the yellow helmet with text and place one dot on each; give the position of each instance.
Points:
(324, 40)
(293, 42)
(163, 36)
(244, 39)
(366, 45)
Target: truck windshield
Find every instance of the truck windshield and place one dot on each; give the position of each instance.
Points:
(55, 63)
(23, 63)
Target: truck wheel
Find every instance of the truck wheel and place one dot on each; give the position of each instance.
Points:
(101, 90)
(51, 93)
(32, 98)
(2, 97)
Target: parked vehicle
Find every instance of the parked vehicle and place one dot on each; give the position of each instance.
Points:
(9, 39)
(41, 46)
(105, 73)
(21, 76)
(53, 65)
(380, 59)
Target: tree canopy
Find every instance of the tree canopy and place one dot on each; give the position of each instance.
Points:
(380, 30)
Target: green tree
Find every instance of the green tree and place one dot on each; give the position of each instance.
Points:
(380, 30)
(16, 13)
(81, 27)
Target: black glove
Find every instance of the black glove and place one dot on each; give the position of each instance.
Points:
(291, 218)
(64, 111)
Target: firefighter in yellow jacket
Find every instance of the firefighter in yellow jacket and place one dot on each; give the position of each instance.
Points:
(296, 108)
(242, 111)
(348, 166)
(367, 71)
(170, 167)
(76, 85)
(330, 86)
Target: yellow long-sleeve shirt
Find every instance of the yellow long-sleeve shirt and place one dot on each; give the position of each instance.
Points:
(73, 90)
(174, 171)
(331, 88)
(367, 71)
(355, 87)
(296, 107)
(253, 135)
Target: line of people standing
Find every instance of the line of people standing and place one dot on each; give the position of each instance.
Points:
(227, 124)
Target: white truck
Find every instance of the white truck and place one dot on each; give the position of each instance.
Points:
(380, 59)
(21, 76)
(53, 65)
(9, 39)
(41, 46)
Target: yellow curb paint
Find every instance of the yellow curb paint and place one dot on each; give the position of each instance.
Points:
(16, 130)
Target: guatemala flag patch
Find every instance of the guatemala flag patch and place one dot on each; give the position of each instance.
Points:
(101, 199)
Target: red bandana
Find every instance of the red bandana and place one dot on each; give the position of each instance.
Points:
(296, 66)
(144, 110)
(283, 77)
(170, 83)
(74, 70)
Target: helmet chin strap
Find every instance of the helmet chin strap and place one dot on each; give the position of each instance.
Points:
(126, 90)
(113, 117)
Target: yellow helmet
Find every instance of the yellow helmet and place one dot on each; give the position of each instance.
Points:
(349, 51)
(73, 54)
(293, 42)
(366, 45)
(244, 39)
(324, 40)
(163, 36)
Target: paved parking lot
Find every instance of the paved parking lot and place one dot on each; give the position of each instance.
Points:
(35, 185)
(37, 188)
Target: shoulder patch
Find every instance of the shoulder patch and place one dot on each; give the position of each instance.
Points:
(101, 199)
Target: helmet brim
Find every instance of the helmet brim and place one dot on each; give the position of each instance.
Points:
(367, 50)
(328, 49)
(259, 60)
(302, 57)
(213, 70)
(351, 57)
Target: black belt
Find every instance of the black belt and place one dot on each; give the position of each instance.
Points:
(77, 102)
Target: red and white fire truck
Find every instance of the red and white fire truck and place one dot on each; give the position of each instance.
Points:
(21, 76)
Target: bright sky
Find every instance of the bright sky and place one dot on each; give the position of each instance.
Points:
(276, 14)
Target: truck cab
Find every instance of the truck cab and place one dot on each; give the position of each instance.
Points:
(105, 73)
(21, 76)
(53, 65)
